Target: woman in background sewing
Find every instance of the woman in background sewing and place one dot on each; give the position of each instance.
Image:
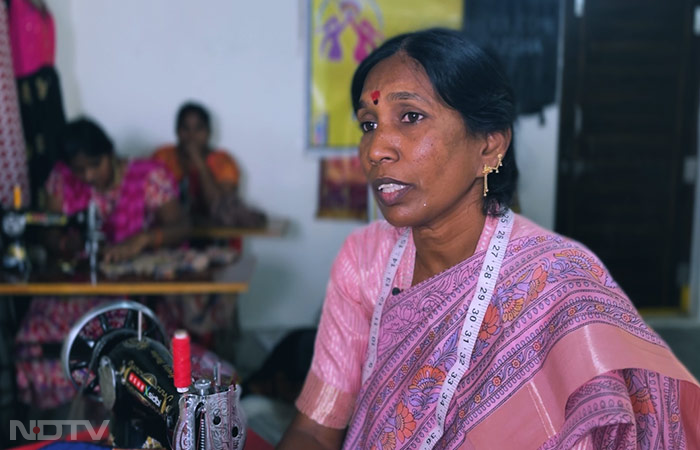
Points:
(138, 204)
(208, 177)
(137, 199)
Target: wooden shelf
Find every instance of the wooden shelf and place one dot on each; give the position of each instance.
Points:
(230, 279)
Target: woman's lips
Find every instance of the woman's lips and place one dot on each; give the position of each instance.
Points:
(389, 191)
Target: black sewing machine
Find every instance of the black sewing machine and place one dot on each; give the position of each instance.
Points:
(117, 354)
(16, 263)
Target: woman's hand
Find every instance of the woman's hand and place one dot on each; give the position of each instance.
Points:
(126, 249)
(194, 154)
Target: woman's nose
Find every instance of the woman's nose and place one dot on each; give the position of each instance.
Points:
(383, 146)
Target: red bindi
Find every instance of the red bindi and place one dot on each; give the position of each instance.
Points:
(375, 97)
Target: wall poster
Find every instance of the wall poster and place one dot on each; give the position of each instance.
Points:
(343, 33)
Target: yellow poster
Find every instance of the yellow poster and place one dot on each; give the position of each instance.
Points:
(343, 33)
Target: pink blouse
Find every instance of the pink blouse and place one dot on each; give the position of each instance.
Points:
(125, 210)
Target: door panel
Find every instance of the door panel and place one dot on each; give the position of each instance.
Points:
(628, 125)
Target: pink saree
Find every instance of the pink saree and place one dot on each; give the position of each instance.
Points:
(562, 359)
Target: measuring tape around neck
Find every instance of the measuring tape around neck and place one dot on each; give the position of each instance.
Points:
(387, 280)
(472, 324)
(505, 225)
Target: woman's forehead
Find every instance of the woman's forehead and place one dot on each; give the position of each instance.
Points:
(397, 71)
(192, 117)
(399, 77)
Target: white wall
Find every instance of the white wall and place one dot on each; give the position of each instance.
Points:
(536, 155)
(130, 63)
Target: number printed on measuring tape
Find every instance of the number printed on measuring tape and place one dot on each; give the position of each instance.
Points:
(471, 326)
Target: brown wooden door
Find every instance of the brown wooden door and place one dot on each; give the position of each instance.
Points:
(628, 133)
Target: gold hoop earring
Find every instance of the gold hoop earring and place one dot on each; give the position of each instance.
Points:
(488, 169)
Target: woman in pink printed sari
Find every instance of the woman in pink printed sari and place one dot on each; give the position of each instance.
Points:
(459, 324)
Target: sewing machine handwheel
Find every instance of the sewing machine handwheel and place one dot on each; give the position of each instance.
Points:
(97, 331)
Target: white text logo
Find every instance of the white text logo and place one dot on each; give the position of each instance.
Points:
(40, 430)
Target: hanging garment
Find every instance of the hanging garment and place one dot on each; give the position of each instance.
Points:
(13, 162)
(32, 36)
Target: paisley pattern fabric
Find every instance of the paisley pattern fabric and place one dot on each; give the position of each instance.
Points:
(562, 359)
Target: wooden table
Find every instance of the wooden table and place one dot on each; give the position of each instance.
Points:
(230, 279)
(274, 228)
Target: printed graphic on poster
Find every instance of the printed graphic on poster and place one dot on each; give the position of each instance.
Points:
(343, 33)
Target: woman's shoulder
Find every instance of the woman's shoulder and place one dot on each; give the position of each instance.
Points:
(149, 179)
(60, 169)
(524, 228)
(223, 166)
(165, 152)
(62, 177)
(148, 170)
(373, 241)
(167, 155)
(359, 265)
(375, 232)
(145, 165)
(220, 154)
(550, 249)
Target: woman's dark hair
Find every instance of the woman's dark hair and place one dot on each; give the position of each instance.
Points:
(468, 79)
(83, 136)
(192, 108)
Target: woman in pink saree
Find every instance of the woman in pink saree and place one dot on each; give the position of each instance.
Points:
(457, 324)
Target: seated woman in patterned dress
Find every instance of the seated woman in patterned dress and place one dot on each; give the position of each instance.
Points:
(457, 324)
(209, 180)
(138, 204)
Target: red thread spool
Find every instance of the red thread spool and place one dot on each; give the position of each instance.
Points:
(182, 365)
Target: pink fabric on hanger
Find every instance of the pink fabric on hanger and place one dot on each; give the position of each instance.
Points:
(33, 37)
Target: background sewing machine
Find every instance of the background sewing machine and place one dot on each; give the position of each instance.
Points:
(16, 261)
(117, 354)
